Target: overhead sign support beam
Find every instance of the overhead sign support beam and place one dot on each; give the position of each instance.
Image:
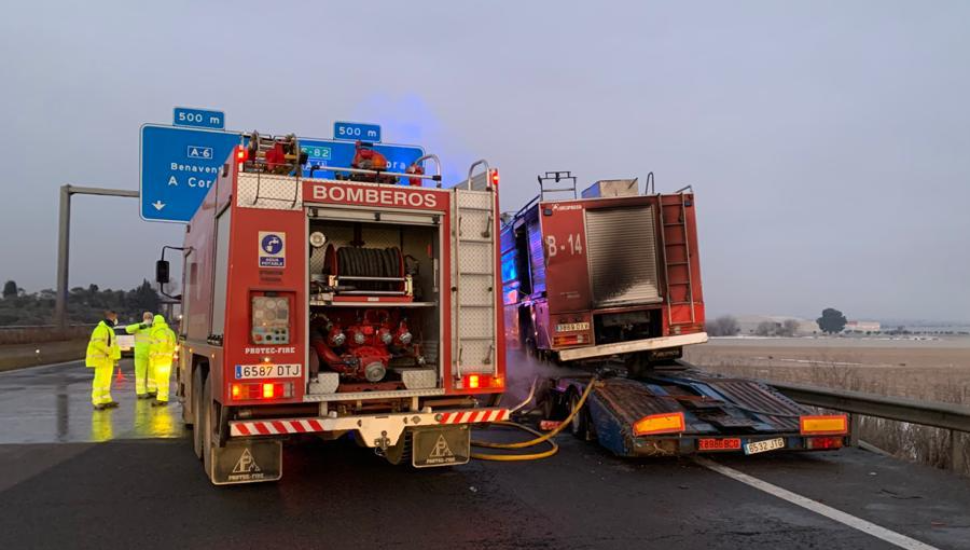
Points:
(64, 242)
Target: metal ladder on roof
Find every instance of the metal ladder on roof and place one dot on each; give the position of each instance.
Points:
(475, 318)
(675, 246)
(558, 177)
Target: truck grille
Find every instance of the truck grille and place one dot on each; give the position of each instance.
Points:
(622, 253)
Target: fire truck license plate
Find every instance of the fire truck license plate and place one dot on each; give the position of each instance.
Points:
(764, 446)
(267, 370)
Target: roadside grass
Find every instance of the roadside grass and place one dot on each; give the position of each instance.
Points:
(920, 444)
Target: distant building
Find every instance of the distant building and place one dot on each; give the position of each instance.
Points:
(862, 326)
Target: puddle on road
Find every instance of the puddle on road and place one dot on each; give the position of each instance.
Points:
(53, 405)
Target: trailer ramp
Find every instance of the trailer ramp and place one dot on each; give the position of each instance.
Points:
(693, 411)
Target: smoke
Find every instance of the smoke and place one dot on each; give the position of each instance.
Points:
(522, 370)
(409, 120)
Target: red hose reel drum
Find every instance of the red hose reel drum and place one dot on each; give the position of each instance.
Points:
(351, 261)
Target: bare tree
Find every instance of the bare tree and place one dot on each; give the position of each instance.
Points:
(788, 328)
(724, 325)
(767, 328)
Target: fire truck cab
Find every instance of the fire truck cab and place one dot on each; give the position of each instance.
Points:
(323, 301)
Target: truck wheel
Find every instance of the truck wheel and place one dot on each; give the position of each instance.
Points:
(580, 423)
(548, 400)
(207, 426)
(400, 453)
(197, 412)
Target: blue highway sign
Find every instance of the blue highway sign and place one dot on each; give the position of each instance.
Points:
(328, 152)
(353, 131)
(178, 166)
(200, 118)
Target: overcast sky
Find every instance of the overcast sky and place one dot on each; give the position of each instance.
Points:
(828, 142)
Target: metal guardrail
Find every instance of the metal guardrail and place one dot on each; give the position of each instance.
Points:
(938, 415)
(946, 416)
(48, 327)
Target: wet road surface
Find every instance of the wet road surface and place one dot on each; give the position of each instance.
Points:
(53, 405)
(72, 479)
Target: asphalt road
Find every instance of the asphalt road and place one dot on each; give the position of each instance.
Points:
(72, 478)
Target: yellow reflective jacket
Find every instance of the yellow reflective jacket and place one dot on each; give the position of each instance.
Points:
(143, 338)
(162, 347)
(102, 347)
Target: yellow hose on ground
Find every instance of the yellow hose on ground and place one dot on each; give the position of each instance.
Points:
(542, 438)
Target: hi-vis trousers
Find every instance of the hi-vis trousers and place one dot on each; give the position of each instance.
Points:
(101, 386)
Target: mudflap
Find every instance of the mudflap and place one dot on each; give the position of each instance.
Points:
(247, 462)
(445, 446)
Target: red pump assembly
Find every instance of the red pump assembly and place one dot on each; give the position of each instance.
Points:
(363, 352)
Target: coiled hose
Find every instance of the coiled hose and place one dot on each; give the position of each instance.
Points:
(370, 262)
(542, 438)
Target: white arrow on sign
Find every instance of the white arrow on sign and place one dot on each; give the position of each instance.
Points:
(158, 205)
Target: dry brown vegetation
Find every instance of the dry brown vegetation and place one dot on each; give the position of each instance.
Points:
(929, 371)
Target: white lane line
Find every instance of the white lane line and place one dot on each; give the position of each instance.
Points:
(859, 524)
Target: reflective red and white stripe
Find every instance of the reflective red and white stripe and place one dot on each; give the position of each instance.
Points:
(473, 416)
(276, 427)
(315, 425)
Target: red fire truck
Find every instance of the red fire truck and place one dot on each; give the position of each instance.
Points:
(611, 281)
(614, 273)
(363, 304)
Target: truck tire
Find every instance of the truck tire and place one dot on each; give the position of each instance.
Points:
(197, 418)
(208, 426)
(579, 426)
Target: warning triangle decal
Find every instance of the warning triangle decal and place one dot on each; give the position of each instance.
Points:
(441, 449)
(246, 464)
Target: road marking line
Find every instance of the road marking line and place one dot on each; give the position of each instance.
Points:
(859, 524)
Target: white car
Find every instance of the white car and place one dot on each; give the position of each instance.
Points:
(125, 341)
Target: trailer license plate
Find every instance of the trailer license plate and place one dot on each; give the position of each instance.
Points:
(727, 444)
(267, 370)
(764, 446)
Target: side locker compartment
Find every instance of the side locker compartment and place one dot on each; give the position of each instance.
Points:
(473, 315)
